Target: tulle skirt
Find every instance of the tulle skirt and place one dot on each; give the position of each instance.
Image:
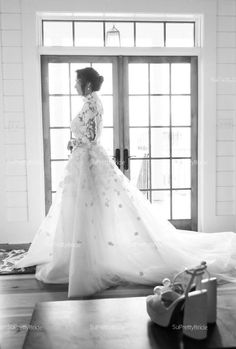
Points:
(101, 231)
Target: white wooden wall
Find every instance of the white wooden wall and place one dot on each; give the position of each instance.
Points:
(226, 107)
(13, 169)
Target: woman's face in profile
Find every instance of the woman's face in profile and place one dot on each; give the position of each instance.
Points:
(78, 87)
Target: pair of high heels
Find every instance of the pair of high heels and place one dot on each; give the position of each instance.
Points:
(197, 300)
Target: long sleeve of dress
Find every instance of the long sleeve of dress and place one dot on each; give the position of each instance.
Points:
(86, 125)
(90, 120)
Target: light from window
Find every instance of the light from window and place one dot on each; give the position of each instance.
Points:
(126, 30)
(89, 34)
(57, 33)
(179, 34)
(150, 34)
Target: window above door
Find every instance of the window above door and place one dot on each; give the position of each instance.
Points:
(119, 33)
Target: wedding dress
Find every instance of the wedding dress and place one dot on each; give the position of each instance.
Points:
(102, 231)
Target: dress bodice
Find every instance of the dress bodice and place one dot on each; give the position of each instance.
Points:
(87, 125)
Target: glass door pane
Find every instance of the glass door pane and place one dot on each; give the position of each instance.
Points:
(63, 104)
(159, 134)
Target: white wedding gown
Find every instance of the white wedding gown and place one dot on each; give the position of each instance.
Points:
(102, 231)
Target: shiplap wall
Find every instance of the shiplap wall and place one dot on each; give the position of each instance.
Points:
(226, 107)
(13, 132)
(13, 174)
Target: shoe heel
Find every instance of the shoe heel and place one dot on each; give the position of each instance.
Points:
(195, 315)
(211, 286)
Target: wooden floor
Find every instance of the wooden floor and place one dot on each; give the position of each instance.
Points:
(19, 294)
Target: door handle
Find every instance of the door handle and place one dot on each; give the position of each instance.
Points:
(117, 157)
(126, 159)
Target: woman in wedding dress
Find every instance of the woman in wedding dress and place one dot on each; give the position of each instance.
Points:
(101, 231)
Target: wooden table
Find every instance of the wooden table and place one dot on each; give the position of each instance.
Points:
(119, 323)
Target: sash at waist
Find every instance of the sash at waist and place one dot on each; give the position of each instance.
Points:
(85, 145)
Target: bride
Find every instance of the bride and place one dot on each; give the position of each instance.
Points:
(101, 231)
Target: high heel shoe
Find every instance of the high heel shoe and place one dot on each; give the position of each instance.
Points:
(210, 284)
(195, 306)
(161, 314)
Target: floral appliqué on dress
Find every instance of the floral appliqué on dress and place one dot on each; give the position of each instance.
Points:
(87, 125)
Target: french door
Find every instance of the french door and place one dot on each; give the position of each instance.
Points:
(150, 125)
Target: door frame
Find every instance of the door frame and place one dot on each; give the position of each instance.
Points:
(121, 119)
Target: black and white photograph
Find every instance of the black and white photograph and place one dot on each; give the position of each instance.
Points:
(117, 174)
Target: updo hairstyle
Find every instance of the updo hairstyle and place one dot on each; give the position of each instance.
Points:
(87, 75)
